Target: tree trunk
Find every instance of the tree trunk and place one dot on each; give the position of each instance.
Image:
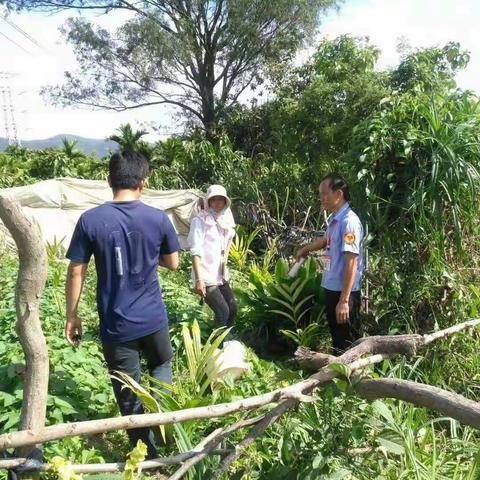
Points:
(208, 111)
(31, 280)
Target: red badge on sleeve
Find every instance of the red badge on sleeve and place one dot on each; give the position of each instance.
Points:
(349, 238)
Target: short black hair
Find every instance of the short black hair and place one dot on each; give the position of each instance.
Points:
(337, 182)
(126, 169)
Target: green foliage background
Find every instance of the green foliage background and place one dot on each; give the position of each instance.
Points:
(408, 142)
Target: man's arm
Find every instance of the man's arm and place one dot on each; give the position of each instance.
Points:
(342, 310)
(73, 290)
(318, 244)
(169, 260)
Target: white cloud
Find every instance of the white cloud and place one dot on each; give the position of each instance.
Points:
(421, 22)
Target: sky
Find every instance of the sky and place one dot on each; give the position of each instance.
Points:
(421, 22)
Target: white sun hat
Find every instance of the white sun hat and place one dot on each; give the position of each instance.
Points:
(217, 191)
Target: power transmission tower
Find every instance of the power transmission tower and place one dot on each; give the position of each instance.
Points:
(7, 105)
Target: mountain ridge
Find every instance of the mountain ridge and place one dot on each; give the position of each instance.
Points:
(99, 146)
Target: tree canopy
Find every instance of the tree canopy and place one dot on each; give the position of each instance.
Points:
(198, 55)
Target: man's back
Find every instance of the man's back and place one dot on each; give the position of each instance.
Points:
(126, 239)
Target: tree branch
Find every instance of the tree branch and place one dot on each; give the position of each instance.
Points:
(297, 392)
(393, 344)
(270, 417)
(120, 466)
(202, 449)
(210, 443)
(448, 403)
(90, 427)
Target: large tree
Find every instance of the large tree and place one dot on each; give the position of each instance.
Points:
(199, 55)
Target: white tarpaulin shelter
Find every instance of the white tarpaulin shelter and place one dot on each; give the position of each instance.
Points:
(57, 204)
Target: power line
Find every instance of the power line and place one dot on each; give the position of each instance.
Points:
(14, 42)
(24, 33)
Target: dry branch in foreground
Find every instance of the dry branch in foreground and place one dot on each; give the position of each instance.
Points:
(378, 349)
(447, 403)
(407, 345)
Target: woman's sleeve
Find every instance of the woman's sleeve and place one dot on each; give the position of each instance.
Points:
(196, 237)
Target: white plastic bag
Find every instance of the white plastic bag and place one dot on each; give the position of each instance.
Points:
(232, 360)
(296, 267)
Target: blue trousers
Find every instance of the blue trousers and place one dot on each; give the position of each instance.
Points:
(125, 357)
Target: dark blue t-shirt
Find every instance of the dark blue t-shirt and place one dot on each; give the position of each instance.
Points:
(126, 239)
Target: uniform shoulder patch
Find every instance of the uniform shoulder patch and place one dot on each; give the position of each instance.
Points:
(349, 238)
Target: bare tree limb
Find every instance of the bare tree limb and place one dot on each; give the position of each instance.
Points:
(270, 417)
(392, 344)
(296, 392)
(120, 466)
(211, 442)
(90, 427)
(205, 447)
(448, 403)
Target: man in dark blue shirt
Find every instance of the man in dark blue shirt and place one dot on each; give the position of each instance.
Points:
(128, 240)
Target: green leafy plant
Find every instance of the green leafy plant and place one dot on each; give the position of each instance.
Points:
(62, 469)
(305, 337)
(135, 457)
(201, 358)
(279, 302)
(240, 248)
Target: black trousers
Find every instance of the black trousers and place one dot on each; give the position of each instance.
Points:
(221, 300)
(343, 334)
(125, 357)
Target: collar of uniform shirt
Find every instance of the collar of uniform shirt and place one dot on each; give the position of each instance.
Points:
(341, 212)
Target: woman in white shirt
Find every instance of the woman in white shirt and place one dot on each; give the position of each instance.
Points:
(211, 233)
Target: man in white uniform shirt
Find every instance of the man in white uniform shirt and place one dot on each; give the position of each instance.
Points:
(343, 262)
